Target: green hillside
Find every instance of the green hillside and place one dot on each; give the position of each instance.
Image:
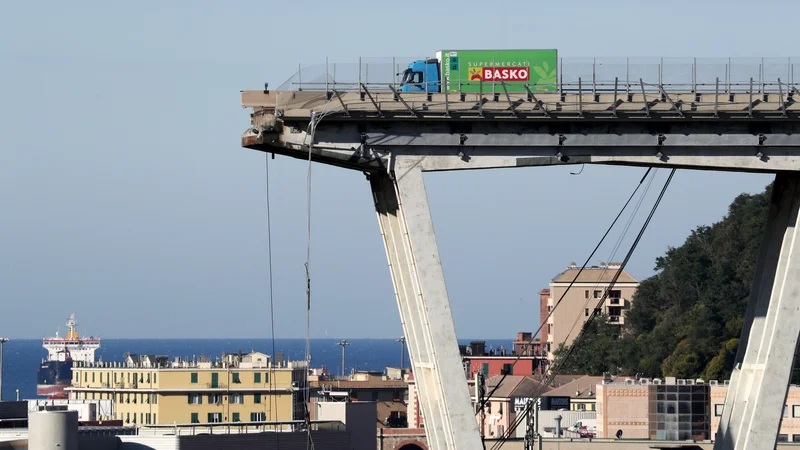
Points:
(685, 321)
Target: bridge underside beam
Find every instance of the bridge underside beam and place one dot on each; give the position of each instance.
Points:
(762, 146)
(408, 235)
(754, 404)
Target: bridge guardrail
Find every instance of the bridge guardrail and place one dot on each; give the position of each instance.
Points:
(589, 75)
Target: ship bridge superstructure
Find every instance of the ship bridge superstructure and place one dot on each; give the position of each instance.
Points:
(72, 347)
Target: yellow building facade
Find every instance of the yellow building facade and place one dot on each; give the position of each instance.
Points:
(179, 395)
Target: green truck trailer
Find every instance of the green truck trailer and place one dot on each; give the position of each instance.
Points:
(486, 70)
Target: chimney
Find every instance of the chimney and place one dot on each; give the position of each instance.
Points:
(573, 265)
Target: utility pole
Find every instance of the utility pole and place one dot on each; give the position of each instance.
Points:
(2, 341)
(343, 343)
(479, 392)
(402, 341)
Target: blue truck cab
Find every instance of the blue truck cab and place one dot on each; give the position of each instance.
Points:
(421, 76)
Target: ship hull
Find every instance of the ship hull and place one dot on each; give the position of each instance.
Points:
(53, 377)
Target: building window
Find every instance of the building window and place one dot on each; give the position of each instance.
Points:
(237, 399)
(154, 399)
(214, 417)
(485, 370)
(214, 398)
(141, 418)
(128, 417)
(785, 410)
(154, 418)
(85, 377)
(586, 293)
(796, 438)
(266, 377)
(586, 312)
(681, 412)
(258, 417)
(195, 419)
(795, 410)
(257, 377)
(598, 294)
(195, 399)
(148, 377)
(550, 328)
(256, 398)
(235, 376)
(783, 438)
(236, 417)
(154, 380)
(508, 369)
(194, 377)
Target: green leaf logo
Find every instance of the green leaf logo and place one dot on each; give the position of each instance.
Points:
(547, 77)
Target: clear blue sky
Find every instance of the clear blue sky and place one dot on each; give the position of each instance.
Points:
(127, 199)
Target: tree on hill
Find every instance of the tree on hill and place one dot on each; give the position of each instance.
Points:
(685, 321)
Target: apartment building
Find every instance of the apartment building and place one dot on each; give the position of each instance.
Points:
(578, 303)
(237, 388)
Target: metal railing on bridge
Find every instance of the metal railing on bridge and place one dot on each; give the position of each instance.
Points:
(588, 75)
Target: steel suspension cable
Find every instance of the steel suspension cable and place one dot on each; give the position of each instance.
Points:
(273, 402)
(533, 335)
(595, 312)
(614, 251)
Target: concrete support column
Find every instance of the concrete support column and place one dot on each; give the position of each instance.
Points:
(762, 371)
(408, 235)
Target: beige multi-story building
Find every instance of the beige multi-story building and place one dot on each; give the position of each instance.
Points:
(582, 298)
(148, 390)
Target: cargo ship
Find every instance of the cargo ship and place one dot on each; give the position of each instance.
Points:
(55, 372)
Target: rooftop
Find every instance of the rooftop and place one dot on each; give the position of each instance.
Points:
(603, 273)
(579, 388)
(355, 384)
(238, 360)
(514, 386)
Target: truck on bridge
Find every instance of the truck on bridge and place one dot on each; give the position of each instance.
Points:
(472, 70)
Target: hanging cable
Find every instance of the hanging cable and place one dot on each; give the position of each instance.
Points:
(613, 253)
(533, 335)
(588, 322)
(273, 402)
(315, 119)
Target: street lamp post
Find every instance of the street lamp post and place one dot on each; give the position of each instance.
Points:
(402, 341)
(343, 343)
(2, 341)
